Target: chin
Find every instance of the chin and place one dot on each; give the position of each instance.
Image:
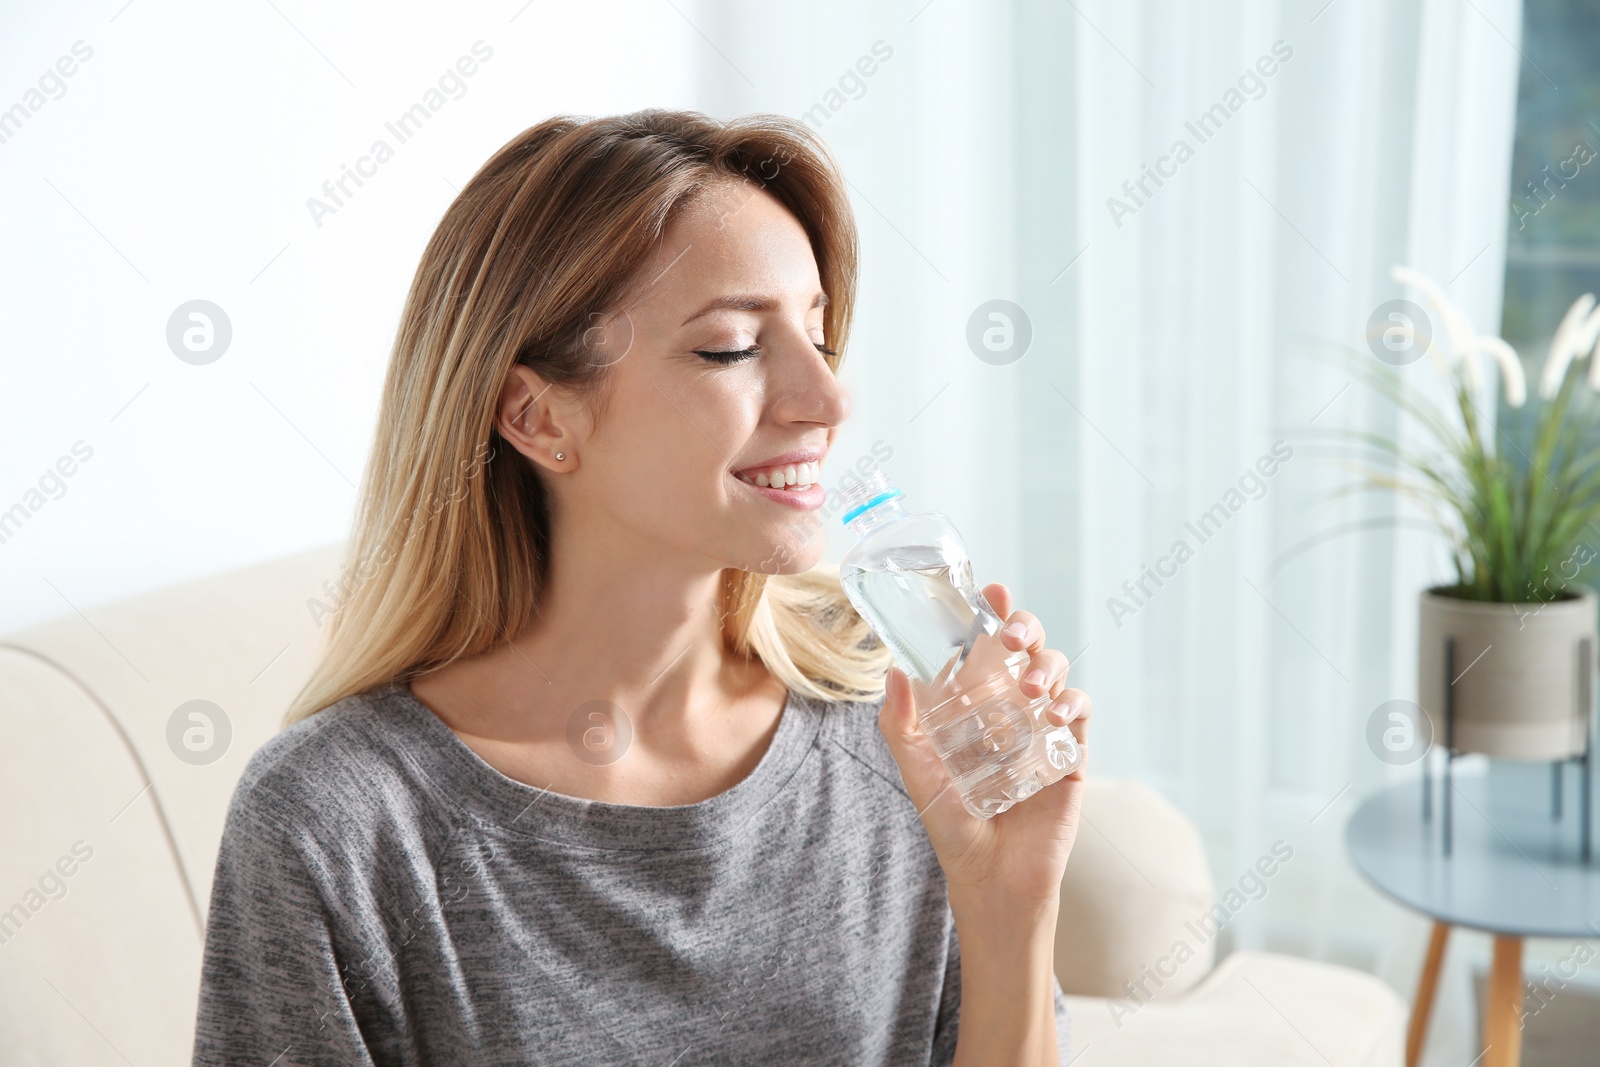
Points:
(785, 555)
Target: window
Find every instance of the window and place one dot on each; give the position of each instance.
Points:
(1553, 235)
(1553, 245)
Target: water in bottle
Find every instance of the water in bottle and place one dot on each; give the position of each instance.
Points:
(910, 577)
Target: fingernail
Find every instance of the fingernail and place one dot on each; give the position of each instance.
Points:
(1061, 709)
(1016, 629)
(1034, 677)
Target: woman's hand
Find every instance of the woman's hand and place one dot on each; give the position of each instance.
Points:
(1014, 861)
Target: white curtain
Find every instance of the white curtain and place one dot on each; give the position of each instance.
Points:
(1177, 324)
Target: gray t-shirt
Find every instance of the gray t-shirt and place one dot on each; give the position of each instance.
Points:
(384, 896)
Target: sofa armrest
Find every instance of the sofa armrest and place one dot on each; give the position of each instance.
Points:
(99, 939)
(1255, 1008)
(1138, 873)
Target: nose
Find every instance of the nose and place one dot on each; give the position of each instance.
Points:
(808, 390)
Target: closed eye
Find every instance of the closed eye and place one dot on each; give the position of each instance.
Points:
(739, 355)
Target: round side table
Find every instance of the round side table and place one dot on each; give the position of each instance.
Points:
(1513, 872)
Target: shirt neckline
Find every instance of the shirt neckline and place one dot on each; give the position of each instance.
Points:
(518, 808)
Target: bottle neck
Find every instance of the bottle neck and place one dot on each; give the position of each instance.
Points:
(877, 515)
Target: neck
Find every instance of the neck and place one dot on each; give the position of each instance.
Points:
(620, 621)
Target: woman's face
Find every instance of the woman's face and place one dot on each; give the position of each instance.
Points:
(675, 461)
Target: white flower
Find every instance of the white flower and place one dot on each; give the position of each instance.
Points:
(1510, 368)
(1584, 339)
(1465, 344)
(1564, 346)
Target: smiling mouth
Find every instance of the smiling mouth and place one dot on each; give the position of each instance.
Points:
(783, 476)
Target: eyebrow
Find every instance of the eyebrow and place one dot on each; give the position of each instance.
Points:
(748, 302)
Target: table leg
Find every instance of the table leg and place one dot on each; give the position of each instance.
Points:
(1502, 1005)
(1427, 986)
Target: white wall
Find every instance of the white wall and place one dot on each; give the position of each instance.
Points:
(176, 165)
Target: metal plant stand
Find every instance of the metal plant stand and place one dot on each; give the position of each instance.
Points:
(1585, 760)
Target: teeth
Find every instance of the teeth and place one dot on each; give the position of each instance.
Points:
(793, 475)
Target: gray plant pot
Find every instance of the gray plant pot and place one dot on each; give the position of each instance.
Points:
(1517, 669)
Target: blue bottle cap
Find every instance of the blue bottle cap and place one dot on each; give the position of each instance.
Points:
(887, 494)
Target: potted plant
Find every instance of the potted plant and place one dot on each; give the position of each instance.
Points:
(1512, 641)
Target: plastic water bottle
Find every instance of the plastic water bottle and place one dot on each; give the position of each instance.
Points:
(911, 579)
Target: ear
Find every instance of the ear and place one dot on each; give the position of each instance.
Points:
(533, 417)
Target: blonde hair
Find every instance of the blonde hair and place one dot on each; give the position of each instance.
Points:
(450, 547)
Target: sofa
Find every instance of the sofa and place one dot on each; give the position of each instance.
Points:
(126, 725)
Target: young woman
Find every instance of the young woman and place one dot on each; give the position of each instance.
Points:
(599, 766)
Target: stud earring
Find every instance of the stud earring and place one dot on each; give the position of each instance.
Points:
(561, 455)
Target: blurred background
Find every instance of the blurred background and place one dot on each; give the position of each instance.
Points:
(1075, 336)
